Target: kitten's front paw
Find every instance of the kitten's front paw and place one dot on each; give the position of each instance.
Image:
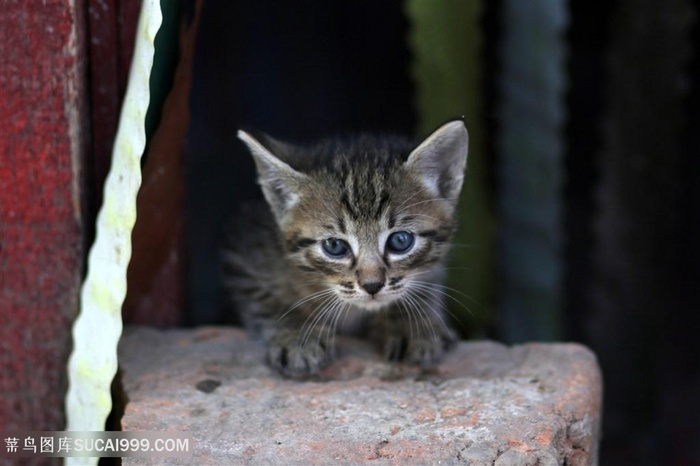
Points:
(292, 359)
(423, 350)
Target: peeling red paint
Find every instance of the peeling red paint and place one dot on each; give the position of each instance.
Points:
(41, 245)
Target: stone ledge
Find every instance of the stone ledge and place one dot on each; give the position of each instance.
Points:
(486, 404)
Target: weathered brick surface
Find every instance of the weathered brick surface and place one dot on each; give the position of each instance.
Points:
(486, 404)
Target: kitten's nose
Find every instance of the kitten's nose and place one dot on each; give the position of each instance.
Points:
(372, 287)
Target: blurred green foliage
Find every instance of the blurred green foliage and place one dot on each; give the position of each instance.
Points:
(445, 40)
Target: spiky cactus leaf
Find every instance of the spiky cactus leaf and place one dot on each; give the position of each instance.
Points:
(96, 331)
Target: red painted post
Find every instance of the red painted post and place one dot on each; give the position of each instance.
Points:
(112, 30)
(42, 150)
(106, 92)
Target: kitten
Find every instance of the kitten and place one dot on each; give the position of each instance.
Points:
(356, 229)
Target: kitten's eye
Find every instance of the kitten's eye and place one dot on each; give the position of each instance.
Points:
(400, 241)
(335, 247)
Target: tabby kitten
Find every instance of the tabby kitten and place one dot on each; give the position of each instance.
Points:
(354, 231)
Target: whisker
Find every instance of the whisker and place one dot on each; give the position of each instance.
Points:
(426, 201)
(435, 219)
(407, 306)
(341, 311)
(422, 315)
(330, 315)
(434, 307)
(318, 315)
(438, 293)
(431, 306)
(311, 297)
(438, 296)
(441, 289)
(399, 210)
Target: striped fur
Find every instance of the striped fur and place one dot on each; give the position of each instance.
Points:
(358, 196)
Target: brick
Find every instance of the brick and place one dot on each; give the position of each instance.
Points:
(485, 404)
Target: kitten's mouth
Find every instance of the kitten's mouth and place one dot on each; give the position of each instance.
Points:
(373, 302)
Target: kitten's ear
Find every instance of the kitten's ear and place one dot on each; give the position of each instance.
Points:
(440, 160)
(280, 182)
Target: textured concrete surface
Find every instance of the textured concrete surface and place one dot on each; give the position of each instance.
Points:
(487, 404)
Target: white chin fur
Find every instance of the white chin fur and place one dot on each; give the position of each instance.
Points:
(371, 304)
